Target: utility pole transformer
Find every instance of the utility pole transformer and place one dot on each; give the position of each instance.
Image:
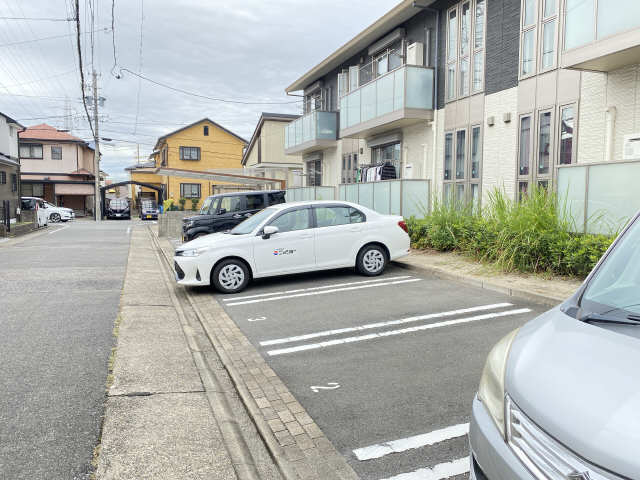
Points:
(96, 154)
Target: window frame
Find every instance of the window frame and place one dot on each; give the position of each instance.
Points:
(182, 191)
(553, 18)
(312, 219)
(14, 182)
(3, 177)
(574, 138)
(453, 183)
(31, 146)
(537, 176)
(525, 178)
(205, 130)
(58, 148)
(183, 149)
(455, 60)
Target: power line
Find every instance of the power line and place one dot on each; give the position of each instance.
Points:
(22, 42)
(84, 100)
(38, 19)
(113, 37)
(224, 100)
(135, 126)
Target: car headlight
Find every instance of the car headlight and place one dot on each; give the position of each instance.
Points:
(190, 224)
(491, 391)
(192, 252)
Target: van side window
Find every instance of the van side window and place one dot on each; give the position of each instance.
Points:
(255, 201)
(276, 198)
(231, 204)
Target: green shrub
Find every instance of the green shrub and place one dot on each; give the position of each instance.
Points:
(194, 204)
(182, 201)
(533, 235)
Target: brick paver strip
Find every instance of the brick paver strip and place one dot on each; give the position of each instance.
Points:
(300, 448)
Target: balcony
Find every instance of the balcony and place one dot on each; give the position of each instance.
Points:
(396, 99)
(601, 37)
(313, 131)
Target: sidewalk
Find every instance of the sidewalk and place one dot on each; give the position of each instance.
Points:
(548, 291)
(189, 396)
(159, 422)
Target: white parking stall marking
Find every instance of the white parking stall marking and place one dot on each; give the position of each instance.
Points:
(388, 333)
(58, 229)
(329, 386)
(411, 443)
(311, 289)
(322, 292)
(441, 471)
(340, 331)
(256, 319)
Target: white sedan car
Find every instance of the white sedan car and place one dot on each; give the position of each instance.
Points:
(59, 214)
(293, 238)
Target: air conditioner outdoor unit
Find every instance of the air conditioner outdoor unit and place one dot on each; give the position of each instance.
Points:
(631, 147)
(415, 54)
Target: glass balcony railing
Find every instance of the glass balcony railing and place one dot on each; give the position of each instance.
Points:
(409, 87)
(313, 129)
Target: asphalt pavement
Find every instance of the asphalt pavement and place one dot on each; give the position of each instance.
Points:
(387, 367)
(60, 295)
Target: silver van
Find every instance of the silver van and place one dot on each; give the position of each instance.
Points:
(559, 398)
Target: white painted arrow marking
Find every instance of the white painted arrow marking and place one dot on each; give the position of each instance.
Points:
(330, 386)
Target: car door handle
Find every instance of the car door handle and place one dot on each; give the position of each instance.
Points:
(237, 215)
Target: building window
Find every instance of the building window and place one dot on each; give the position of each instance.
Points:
(56, 153)
(14, 182)
(528, 53)
(189, 153)
(206, 130)
(467, 152)
(349, 167)
(3, 177)
(314, 173)
(544, 143)
(524, 154)
(190, 190)
(567, 121)
(538, 36)
(387, 155)
(465, 49)
(549, 35)
(31, 150)
(163, 157)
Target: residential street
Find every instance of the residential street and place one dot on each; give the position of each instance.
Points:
(60, 295)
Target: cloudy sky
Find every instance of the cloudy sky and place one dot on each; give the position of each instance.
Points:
(238, 50)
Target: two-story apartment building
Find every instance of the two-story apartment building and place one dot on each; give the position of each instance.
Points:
(474, 95)
(9, 166)
(265, 156)
(57, 167)
(199, 147)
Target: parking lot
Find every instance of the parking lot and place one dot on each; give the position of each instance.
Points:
(387, 367)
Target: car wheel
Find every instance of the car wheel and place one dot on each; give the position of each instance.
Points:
(371, 260)
(230, 276)
(54, 217)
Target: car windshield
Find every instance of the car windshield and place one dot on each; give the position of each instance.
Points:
(205, 205)
(251, 223)
(615, 287)
(117, 203)
(148, 205)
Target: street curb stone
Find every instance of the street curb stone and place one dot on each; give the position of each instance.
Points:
(301, 451)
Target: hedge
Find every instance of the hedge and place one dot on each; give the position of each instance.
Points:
(532, 235)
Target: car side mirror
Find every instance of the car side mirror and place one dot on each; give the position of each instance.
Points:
(268, 231)
(222, 211)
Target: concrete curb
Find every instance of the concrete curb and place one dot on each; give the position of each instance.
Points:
(546, 300)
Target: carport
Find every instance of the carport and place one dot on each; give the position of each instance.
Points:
(159, 189)
(231, 177)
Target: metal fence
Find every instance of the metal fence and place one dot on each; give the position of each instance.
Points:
(600, 197)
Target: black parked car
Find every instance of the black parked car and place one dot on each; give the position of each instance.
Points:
(118, 208)
(148, 210)
(223, 212)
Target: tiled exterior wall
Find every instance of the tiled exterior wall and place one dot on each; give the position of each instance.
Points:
(500, 143)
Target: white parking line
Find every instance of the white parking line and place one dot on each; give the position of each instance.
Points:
(322, 292)
(439, 472)
(57, 230)
(373, 336)
(339, 331)
(335, 285)
(411, 443)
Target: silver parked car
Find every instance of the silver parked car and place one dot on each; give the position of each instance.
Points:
(560, 397)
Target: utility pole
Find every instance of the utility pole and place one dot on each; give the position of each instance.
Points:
(96, 154)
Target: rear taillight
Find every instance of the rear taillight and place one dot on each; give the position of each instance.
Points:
(402, 224)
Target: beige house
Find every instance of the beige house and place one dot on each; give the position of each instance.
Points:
(58, 167)
(265, 156)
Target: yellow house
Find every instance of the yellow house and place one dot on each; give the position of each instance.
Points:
(201, 146)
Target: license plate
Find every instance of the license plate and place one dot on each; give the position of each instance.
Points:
(118, 215)
(148, 216)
